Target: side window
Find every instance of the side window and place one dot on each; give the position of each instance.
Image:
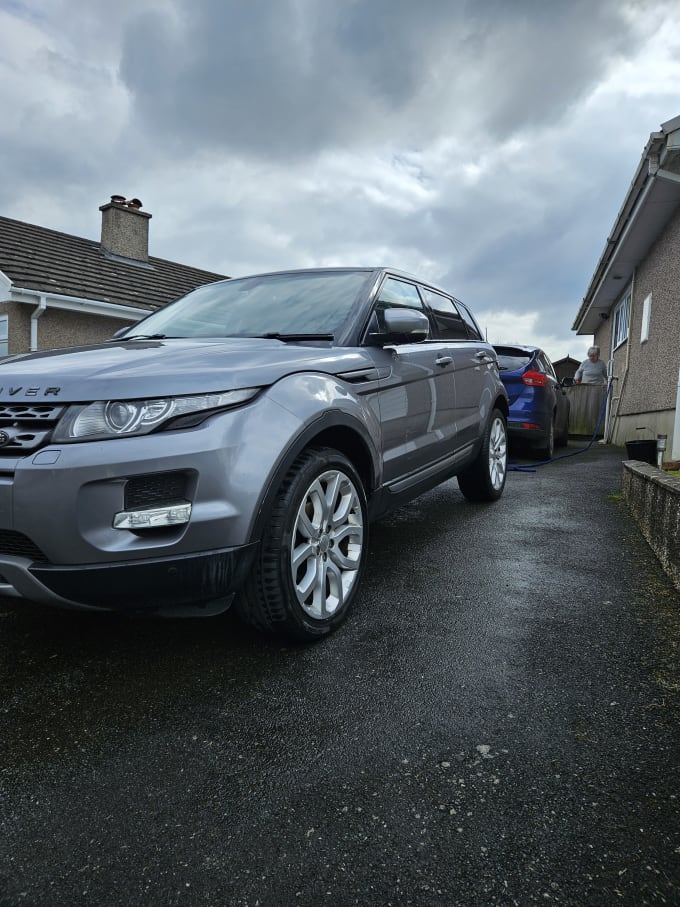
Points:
(395, 294)
(448, 322)
(474, 330)
(4, 336)
(546, 366)
(620, 325)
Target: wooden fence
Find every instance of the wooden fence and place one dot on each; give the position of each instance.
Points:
(586, 401)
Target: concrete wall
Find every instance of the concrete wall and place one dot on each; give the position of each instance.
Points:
(653, 497)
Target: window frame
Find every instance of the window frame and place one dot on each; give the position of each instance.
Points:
(621, 320)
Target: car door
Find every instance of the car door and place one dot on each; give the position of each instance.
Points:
(472, 359)
(416, 399)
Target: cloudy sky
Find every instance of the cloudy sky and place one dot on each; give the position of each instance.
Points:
(485, 145)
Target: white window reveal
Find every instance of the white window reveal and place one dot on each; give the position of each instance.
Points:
(620, 321)
(646, 315)
(4, 324)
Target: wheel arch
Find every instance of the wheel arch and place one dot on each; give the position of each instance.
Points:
(502, 404)
(334, 430)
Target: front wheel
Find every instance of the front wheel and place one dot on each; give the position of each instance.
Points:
(313, 551)
(484, 479)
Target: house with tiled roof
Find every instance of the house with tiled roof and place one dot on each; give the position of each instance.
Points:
(59, 290)
(632, 304)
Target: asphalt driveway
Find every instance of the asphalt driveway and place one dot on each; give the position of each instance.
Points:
(497, 724)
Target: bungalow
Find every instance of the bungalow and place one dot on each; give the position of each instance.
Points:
(60, 290)
(632, 304)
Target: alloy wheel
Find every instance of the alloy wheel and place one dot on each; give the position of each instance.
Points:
(326, 544)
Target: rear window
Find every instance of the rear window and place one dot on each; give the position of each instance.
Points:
(512, 362)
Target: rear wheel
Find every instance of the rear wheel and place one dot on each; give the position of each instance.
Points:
(563, 439)
(313, 551)
(484, 479)
(546, 452)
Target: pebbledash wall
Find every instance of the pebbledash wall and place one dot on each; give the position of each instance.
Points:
(645, 388)
(653, 497)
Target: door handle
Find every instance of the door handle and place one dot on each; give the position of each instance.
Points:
(483, 356)
(443, 361)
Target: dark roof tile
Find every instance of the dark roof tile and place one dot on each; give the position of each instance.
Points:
(35, 258)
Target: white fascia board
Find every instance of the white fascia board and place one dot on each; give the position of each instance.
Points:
(5, 282)
(78, 304)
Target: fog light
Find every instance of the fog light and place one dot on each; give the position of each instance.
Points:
(174, 515)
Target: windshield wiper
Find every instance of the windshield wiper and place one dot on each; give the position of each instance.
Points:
(138, 337)
(274, 335)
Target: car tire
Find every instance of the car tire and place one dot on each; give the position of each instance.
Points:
(563, 438)
(312, 555)
(484, 479)
(547, 451)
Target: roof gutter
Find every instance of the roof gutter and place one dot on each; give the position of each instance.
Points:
(77, 304)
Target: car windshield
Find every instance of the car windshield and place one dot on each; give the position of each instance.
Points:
(300, 305)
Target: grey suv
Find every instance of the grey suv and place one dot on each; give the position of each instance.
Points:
(235, 444)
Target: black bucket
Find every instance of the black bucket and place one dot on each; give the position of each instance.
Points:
(645, 451)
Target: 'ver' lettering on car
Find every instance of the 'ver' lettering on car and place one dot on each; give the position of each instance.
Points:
(52, 391)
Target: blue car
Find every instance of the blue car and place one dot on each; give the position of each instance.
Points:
(539, 406)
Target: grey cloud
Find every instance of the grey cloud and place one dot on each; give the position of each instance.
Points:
(292, 77)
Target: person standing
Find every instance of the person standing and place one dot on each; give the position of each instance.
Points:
(592, 370)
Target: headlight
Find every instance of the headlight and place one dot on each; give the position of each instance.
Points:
(125, 418)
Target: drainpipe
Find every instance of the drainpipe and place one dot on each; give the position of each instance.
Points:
(35, 314)
(675, 454)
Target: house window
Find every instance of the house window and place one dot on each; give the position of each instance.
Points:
(646, 315)
(4, 323)
(621, 318)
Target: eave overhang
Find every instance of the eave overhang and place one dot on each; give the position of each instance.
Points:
(651, 201)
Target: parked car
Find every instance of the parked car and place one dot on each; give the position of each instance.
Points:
(539, 406)
(238, 441)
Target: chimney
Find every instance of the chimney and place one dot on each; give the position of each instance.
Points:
(125, 229)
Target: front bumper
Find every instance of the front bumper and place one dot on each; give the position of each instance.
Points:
(59, 542)
(190, 584)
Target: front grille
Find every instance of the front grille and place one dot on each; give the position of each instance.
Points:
(19, 545)
(155, 489)
(27, 426)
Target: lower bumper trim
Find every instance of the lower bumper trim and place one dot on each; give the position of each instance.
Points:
(160, 584)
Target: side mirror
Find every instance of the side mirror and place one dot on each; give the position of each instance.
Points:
(402, 326)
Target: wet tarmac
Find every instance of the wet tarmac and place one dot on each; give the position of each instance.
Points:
(497, 724)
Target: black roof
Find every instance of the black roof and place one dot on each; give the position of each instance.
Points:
(48, 261)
